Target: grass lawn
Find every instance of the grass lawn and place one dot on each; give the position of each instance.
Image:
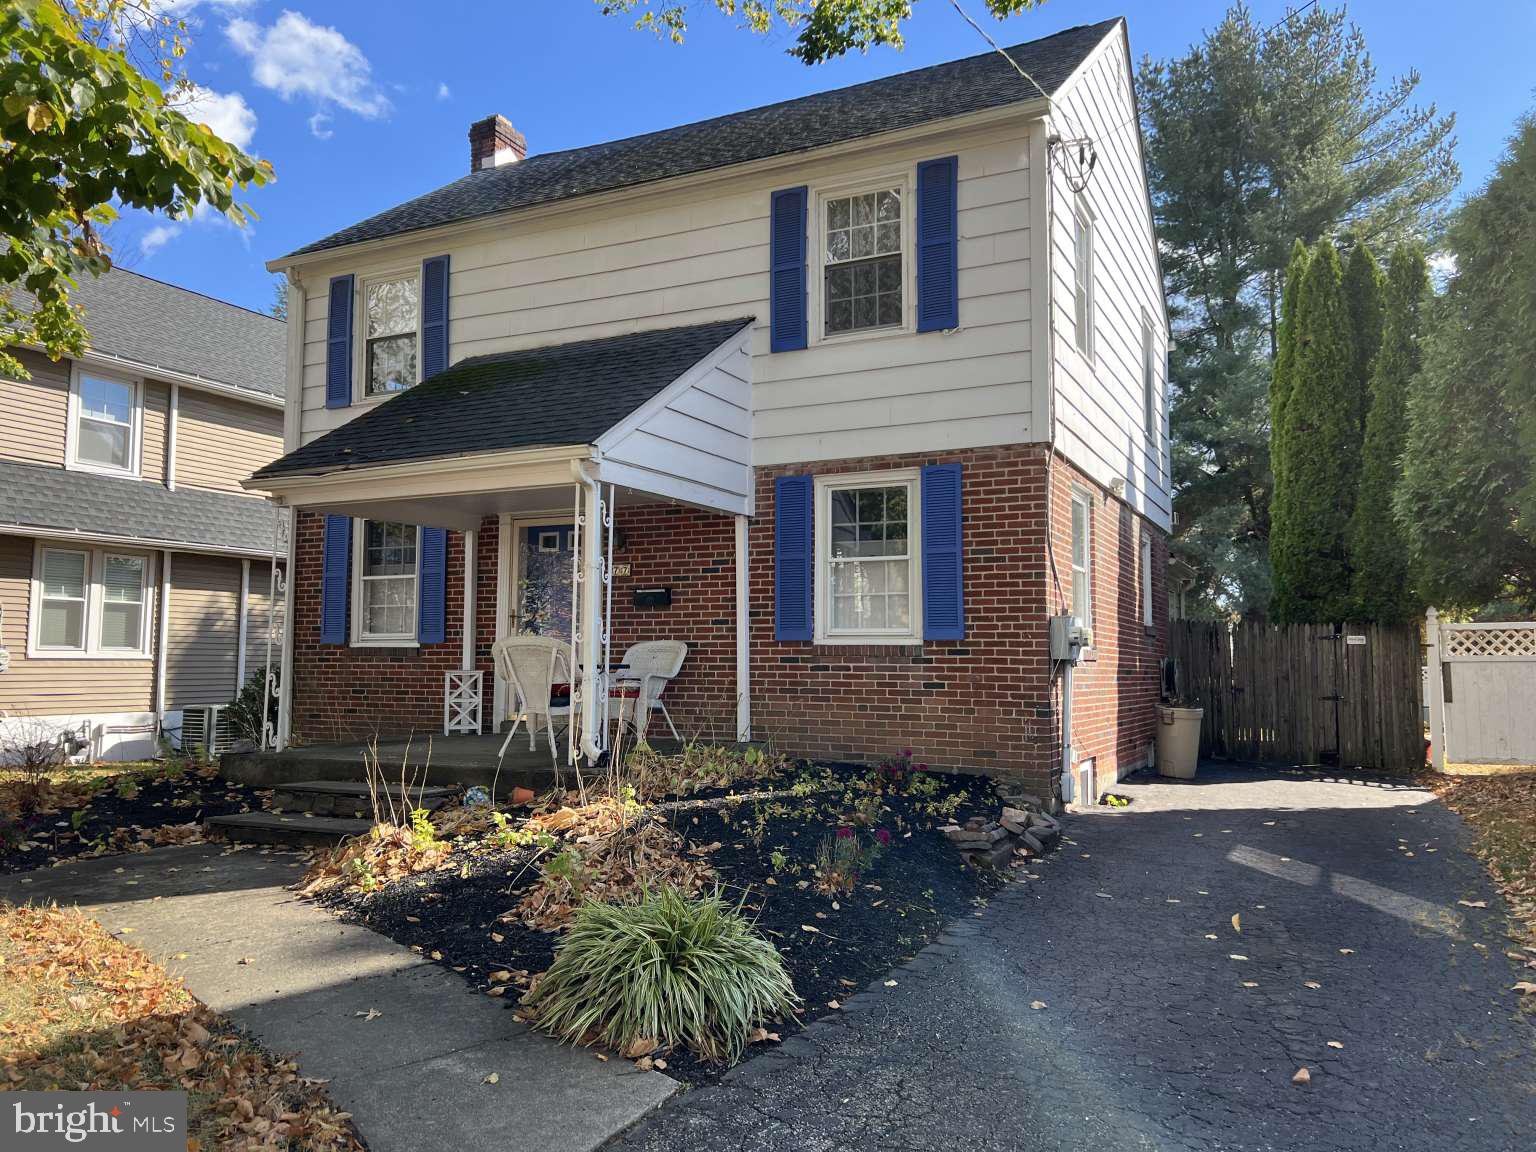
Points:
(82, 1010)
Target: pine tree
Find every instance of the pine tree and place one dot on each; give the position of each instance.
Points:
(1378, 551)
(1279, 391)
(1309, 547)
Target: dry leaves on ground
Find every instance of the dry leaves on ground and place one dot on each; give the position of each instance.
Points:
(1502, 813)
(82, 1010)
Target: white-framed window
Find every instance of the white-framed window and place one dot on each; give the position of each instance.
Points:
(386, 574)
(390, 348)
(106, 420)
(1146, 580)
(1082, 278)
(1082, 559)
(862, 238)
(868, 575)
(89, 602)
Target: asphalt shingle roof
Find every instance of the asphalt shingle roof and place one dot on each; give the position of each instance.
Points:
(163, 326)
(563, 394)
(40, 496)
(894, 102)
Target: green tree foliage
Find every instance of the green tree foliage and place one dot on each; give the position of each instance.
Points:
(1363, 289)
(1467, 500)
(1285, 351)
(1378, 552)
(823, 28)
(1256, 137)
(83, 132)
(1309, 545)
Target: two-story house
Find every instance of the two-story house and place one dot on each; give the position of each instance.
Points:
(135, 571)
(851, 393)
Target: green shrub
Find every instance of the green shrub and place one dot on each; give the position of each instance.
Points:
(668, 971)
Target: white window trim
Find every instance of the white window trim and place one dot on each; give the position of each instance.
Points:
(816, 264)
(360, 393)
(135, 432)
(1081, 496)
(358, 640)
(94, 598)
(823, 487)
(1083, 279)
(1148, 619)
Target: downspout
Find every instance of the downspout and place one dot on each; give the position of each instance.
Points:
(743, 636)
(163, 631)
(170, 436)
(592, 736)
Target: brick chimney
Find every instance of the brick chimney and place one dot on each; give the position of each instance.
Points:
(494, 142)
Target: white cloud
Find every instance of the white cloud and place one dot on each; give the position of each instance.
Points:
(157, 238)
(230, 117)
(317, 126)
(1442, 266)
(443, 93)
(295, 57)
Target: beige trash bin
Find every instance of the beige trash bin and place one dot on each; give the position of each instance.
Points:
(1178, 741)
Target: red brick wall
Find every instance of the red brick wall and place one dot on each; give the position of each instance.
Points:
(342, 693)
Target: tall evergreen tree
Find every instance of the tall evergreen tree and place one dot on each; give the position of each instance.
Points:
(1467, 500)
(1308, 547)
(1257, 136)
(1363, 288)
(1281, 382)
(1378, 552)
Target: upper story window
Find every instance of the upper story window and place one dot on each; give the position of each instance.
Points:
(386, 582)
(392, 315)
(1082, 279)
(104, 423)
(862, 260)
(89, 602)
(1082, 559)
(867, 579)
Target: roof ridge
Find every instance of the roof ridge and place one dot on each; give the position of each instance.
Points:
(739, 322)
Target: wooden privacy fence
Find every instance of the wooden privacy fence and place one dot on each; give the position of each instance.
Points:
(1304, 693)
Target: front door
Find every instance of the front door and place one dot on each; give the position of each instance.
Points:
(541, 605)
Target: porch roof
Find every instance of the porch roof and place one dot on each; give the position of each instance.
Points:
(553, 396)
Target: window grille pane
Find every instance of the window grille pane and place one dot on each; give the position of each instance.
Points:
(109, 400)
(392, 307)
(102, 443)
(122, 579)
(391, 363)
(121, 625)
(64, 575)
(61, 624)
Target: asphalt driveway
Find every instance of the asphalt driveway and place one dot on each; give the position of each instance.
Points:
(1360, 952)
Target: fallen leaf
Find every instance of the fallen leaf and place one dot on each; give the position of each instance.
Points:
(1334, 1044)
(246, 960)
(1525, 988)
(1250, 983)
(1237, 922)
(1313, 984)
(371, 1014)
(1210, 936)
(1302, 1076)
(1236, 956)
(1473, 903)
(809, 928)
(492, 1078)
(500, 976)
(890, 983)
(1037, 1004)
(833, 1004)
(1346, 951)
(497, 937)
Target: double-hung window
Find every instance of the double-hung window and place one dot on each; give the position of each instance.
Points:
(90, 603)
(391, 321)
(867, 579)
(1082, 560)
(862, 257)
(1147, 619)
(104, 424)
(387, 579)
(1082, 278)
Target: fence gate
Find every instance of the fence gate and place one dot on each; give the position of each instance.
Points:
(1304, 694)
(1482, 692)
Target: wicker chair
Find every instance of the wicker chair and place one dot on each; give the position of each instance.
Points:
(534, 666)
(650, 666)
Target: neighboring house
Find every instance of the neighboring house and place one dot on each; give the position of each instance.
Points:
(134, 569)
(872, 380)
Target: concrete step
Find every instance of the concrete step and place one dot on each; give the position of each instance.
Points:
(351, 798)
(297, 831)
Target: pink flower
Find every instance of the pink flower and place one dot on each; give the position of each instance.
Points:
(883, 835)
(922, 768)
(845, 833)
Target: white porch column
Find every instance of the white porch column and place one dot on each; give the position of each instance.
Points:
(594, 737)
(471, 560)
(743, 636)
(285, 675)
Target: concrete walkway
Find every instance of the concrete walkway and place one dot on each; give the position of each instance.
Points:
(304, 983)
(1113, 1005)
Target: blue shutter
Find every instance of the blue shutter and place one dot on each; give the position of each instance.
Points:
(786, 258)
(943, 569)
(434, 316)
(938, 273)
(338, 344)
(793, 555)
(335, 579)
(431, 609)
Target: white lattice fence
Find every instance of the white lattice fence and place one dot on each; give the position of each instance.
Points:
(462, 702)
(1482, 692)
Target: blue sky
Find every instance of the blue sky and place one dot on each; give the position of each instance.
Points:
(362, 105)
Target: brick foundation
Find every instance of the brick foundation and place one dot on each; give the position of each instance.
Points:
(987, 703)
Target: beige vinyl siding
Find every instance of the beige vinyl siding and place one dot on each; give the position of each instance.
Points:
(45, 687)
(1100, 413)
(690, 255)
(221, 441)
(203, 630)
(256, 621)
(35, 411)
(157, 401)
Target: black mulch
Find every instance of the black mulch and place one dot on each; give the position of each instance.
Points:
(122, 807)
(902, 901)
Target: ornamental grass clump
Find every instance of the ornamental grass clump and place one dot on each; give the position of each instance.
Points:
(667, 972)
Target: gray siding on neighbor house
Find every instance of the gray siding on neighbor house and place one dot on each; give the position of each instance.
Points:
(202, 641)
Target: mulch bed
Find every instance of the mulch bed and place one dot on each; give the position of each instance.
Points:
(901, 901)
(123, 813)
